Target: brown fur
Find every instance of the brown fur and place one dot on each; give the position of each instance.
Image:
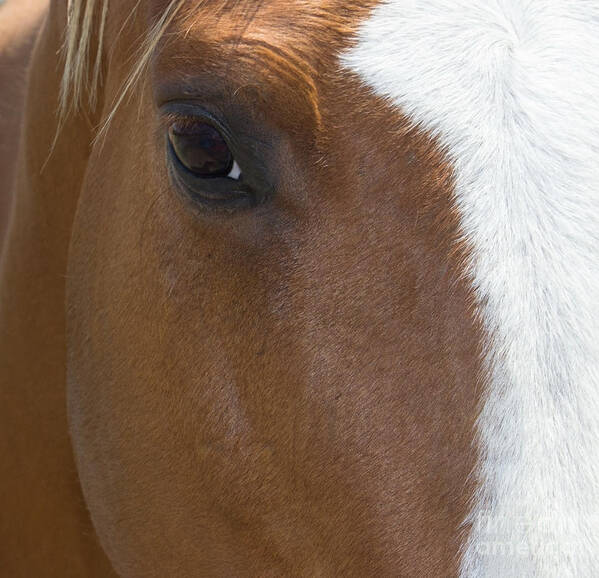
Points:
(44, 527)
(18, 27)
(287, 390)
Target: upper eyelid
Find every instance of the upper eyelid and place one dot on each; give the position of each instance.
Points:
(172, 119)
(188, 109)
(177, 112)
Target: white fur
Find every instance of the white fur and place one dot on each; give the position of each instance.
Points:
(510, 88)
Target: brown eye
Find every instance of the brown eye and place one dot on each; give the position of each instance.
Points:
(202, 150)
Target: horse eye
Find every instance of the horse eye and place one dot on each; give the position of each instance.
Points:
(202, 150)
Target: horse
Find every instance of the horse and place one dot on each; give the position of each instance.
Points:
(300, 288)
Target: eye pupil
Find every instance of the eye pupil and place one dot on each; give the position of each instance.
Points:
(201, 149)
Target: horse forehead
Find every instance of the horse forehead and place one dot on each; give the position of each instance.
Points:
(290, 49)
(305, 26)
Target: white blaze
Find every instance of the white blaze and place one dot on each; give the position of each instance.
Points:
(511, 91)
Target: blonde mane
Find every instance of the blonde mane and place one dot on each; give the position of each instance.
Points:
(83, 52)
(80, 76)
